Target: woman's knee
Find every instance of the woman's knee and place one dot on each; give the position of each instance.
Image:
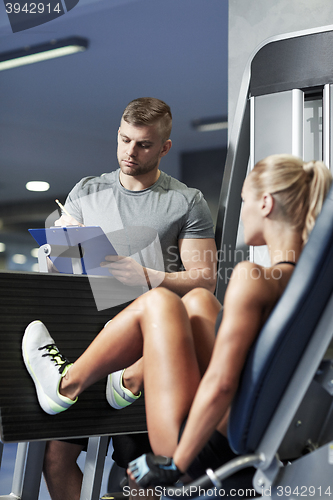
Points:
(197, 300)
(159, 298)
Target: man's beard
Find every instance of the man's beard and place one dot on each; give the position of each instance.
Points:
(139, 169)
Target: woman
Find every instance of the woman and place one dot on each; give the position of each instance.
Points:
(282, 197)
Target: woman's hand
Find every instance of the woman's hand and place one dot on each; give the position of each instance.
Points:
(153, 470)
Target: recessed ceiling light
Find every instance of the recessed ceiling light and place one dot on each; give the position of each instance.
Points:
(2, 247)
(210, 124)
(19, 258)
(37, 186)
(42, 52)
(34, 252)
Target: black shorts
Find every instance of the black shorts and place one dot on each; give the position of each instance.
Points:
(126, 447)
(216, 453)
(81, 442)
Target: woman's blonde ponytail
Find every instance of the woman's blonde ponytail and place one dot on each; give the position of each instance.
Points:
(320, 180)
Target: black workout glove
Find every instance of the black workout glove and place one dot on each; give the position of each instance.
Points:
(154, 470)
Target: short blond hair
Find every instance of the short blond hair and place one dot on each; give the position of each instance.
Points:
(149, 111)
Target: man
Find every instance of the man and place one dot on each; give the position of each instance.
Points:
(137, 195)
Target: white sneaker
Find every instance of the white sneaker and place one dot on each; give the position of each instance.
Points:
(116, 394)
(46, 366)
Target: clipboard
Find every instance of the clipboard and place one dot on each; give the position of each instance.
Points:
(89, 244)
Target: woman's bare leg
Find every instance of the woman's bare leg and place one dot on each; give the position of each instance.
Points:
(202, 308)
(157, 326)
(171, 373)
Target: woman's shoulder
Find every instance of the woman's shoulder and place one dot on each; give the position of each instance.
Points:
(247, 270)
(253, 282)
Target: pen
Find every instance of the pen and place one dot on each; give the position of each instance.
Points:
(63, 208)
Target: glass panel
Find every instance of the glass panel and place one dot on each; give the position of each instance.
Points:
(313, 129)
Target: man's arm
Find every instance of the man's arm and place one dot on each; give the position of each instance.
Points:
(198, 256)
(199, 260)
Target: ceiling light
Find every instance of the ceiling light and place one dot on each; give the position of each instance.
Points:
(2, 247)
(34, 252)
(210, 124)
(37, 186)
(36, 53)
(19, 258)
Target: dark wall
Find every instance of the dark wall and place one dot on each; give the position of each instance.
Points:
(204, 170)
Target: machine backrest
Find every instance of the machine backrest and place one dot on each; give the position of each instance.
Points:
(283, 339)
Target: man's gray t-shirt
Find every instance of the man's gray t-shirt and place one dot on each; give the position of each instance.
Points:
(143, 224)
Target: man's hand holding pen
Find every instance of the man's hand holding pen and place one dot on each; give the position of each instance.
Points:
(67, 220)
(124, 269)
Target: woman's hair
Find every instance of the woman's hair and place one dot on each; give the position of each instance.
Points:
(148, 111)
(299, 188)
